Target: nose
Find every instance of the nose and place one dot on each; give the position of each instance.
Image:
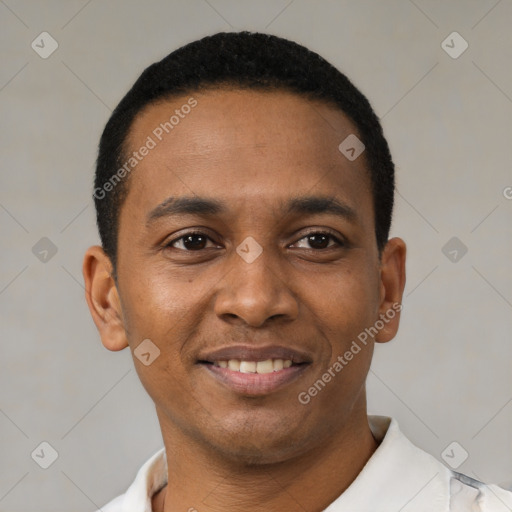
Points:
(255, 293)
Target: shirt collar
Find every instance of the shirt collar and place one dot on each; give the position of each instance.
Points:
(151, 477)
(398, 477)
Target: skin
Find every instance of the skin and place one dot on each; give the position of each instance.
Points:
(252, 151)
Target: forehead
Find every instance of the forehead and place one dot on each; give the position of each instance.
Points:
(239, 145)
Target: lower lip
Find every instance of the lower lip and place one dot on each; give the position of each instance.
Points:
(255, 384)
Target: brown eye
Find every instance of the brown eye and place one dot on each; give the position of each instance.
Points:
(318, 241)
(191, 242)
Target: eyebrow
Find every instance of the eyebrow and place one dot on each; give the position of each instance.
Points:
(321, 205)
(185, 205)
(194, 205)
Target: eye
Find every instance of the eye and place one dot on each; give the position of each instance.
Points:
(194, 241)
(318, 240)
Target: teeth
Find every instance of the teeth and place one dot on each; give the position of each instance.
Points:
(247, 367)
(234, 364)
(278, 364)
(267, 366)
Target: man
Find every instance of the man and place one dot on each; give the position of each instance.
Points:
(244, 193)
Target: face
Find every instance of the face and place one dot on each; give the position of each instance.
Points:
(247, 255)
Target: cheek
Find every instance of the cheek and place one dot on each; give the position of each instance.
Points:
(162, 314)
(347, 306)
(157, 306)
(347, 301)
(157, 311)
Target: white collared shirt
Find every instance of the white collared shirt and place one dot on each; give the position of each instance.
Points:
(398, 477)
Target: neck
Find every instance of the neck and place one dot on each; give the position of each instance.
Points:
(201, 480)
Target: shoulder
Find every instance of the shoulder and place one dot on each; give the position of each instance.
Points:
(115, 505)
(402, 467)
(468, 494)
(150, 478)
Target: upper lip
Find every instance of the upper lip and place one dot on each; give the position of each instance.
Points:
(252, 353)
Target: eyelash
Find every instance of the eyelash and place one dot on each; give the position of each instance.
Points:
(335, 238)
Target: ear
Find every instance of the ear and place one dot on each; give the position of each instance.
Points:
(392, 283)
(103, 298)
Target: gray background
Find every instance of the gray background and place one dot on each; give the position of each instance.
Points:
(446, 377)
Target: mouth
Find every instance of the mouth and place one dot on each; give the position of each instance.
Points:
(260, 367)
(255, 372)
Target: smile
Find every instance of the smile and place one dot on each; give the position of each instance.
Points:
(251, 370)
(261, 367)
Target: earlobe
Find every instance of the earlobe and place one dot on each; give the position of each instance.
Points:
(392, 282)
(103, 298)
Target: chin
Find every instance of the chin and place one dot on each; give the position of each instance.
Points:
(253, 446)
(254, 455)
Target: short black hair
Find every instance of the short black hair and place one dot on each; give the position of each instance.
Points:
(245, 60)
